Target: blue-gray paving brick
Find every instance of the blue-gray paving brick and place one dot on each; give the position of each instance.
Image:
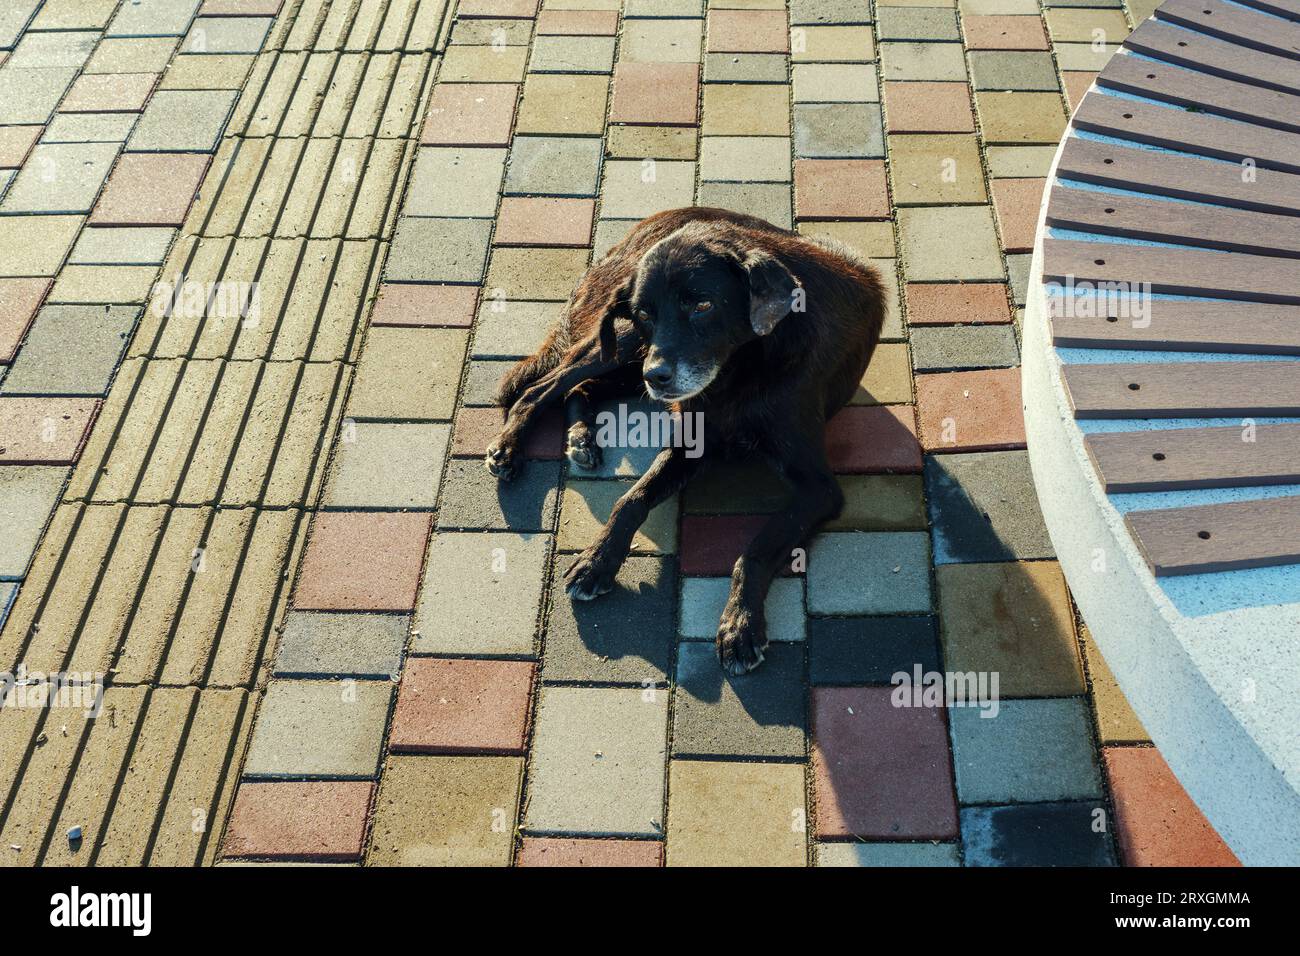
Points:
(838, 131)
(963, 347)
(332, 729)
(89, 128)
(226, 35)
(759, 714)
(703, 600)
(872, 572)
(888, 854)
(769, 201)
(572, 54)
(848, 651)
(455, 181)
(481, 379)
(183, 121)
(1025, 751)
(27, 495)
(71, 350)
(916, 23)
(388, 465)
(512, 329)
(472, 499)
(625, 636)
(325, 644)
(438, 250)
(60, 178)
(153, 18)
(1037, 834)
(553, 166)
(983, 507)
(1012, 70)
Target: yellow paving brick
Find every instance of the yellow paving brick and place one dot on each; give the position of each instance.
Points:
(270, 109)
(1116, 721)
(535, 274)
(329, 336)
(156, 750)
(187, 816)
(18, 727)
(115, 596)
(260, 594)
(358, 114)
(160, 602)
(229, 785)
(560, 103)
(166, 328)
(327, 86)
(260, 88)
(120, 284)
(408, 374)
(173, 437)
(89, 467)
(224, 71)
(409, 95)
(261, 270)
(92, 788)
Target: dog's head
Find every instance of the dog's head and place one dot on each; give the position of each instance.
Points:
(697, 296)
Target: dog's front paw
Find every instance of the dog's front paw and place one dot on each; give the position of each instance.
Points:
(590, 576)
(581, 448)
(742, 638)
(501, 461)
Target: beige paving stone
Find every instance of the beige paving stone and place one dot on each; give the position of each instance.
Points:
(187, 818)
(563, 103)
(998, 7)
(956, 242)
(661, 41)
(634, 190)
(1020, 117)
(1083, 56)
(874, 240)
(446, 811)
(936, 169)
(408, 98)
(832, 44)
(455, 181)
(131, 55)
(736, 814)
(74, 15)
(144, 783)
(483, 64)
(888, 378)
(35, 245)
(104, 284)
(922, 61)
(364, 115)
(1086, 26)
(745, 159)
(586, 506)
(1019, 162)
(226, 71)
(835, 83)
(408, 374)
(656, 142)
(91, 788)
(173, 434)
(746, 109)
(537, 274)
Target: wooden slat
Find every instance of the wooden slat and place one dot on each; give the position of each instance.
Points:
(1244, 27)
(1220, 57)
(1182, 177)
(1221, 275)
(1182, 459)
(1236, 230)
(1173, 84)
(1184, 390)
(1171, 325)
(1175, 128)
(1227, 537)
(1283, 8)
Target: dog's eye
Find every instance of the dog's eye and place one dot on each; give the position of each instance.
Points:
(701, 308)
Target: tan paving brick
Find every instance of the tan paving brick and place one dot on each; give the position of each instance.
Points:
(735, 814)
(656, 142)
(35, 245)
(562, 103)
(530, 273)
(1116, 721)
(225, 71)
(1020, 117)
(661, 41)
(936, 169)
(408, 374)
(832, 44)
(744, 109)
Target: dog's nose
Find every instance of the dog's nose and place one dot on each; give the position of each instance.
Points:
(659, 374)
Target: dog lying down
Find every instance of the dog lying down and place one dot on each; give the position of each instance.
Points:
(763, 332)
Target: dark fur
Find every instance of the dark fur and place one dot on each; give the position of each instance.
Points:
(772, 395)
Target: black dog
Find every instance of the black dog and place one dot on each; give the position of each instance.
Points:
(765, 332)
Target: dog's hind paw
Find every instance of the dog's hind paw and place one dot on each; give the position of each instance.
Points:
(500, 462)
(742, 639)
(581, 448)
(588, 577)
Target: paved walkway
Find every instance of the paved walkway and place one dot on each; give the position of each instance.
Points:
(328, 635)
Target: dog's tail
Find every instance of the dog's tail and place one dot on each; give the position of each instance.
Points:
(524, 373)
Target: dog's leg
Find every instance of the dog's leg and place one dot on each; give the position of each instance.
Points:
(742, 632)
(580, 414)
(592, 574)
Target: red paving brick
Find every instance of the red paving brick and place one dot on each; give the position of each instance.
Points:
(150, 189)
(403, 303)
(19, 300)
(463, 706)
(957, 303)
(658, 93)
(544, 221)
(1156, 823)
(109, 93)
(44, 431)
(323, 821)
(363, 561)
(588, 23)
(970, 411)
(1016, 203)
(880, 771)
(505, 9)
(470, 114)
(558, 851)
(15, 143)
(748, 31)
(928, 107)
(840, 189)
(476, 427)
(1076, 84)
(869, 439)
(710, 545)
(1004, 33)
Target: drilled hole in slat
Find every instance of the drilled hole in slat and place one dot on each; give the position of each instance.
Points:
(1133, 386)
(1109, 210)
(1108, 162)
(1203, 535)
(1098, 262)
(1159, 456)
(1112, 318)
(1128, 115)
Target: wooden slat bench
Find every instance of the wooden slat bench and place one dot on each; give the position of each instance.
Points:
(1162, 396)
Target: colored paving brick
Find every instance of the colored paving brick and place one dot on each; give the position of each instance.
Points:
(558, 851)
(328, 729)
(869, 573)
(44, 431)
(958, 348)
(472, 114)
(961, 303)
(852, 651)
(1016, 203)
(587, 505)
(462, 706)
(1036, 834)
(1004, 33)
(747, 31)
(326, 644)
(865, 440)
(970, 411)
(149, 189)
(27, 495)
(544, 222)
(928, 107)
(735, 814)
(983, 508)
(1116, 722)
(362, 561)
(888, 854)
(840, 188)
(759, 714)
(1156, 823)
(321, 822)
(655, 93)
(703, 600)
(880, 771)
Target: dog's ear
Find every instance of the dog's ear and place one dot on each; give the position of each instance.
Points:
(616, 307)
(771, 290)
